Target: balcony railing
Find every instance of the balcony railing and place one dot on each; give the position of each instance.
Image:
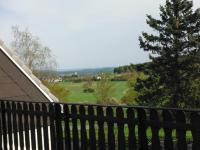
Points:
(58, 126)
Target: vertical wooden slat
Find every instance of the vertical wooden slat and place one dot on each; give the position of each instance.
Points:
(45, 127)
(26, 126)
(110, 123)
(195, 121)
(38, 126)
(17, 119)
(1, 129)
(67, 128)
(84, 142)
(167, 118)
(9, 125)
(52, 127)
(101, 132)
(20, 125)
(155, 130)
(75, 128)
(131, 126)
(92, 133)
(32, 126)
(120, 125)
(181, 133)
(15, 126)
(142, 127)
(59, 130)
(4, 124)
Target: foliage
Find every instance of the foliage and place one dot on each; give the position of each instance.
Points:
(131, 68)
(87, 86)
(46, 75)
(59, 91)
(122, 76)
(71, 78)
(194, 93)
(131, 95)
(77, 95)
(105, 90)
(77, 80)
(175, 54)
(30, 50)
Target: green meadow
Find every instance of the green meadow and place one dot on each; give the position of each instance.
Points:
(76, 94)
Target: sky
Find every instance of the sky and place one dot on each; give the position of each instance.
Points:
(83, 33)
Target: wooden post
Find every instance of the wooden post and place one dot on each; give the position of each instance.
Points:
(155, 130)
(120, 125)
(131, 126)
(75, 128)
(110, 122)
(20, 125)
(26, 126)
(9, 125)
(32, 125)
(167, 118)
(52, 127)
(195, 121)
(181, 133)
(38, 126)
(15, 126)
(67, 128)
(4, 124)
(92, 133)
(84, 141)
(45, 127)
(59, 130)
(101, 133)
(142, 127)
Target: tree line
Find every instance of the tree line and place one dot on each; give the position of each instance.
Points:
(143, 67)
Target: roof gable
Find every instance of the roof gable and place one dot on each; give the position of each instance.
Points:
(17, 82)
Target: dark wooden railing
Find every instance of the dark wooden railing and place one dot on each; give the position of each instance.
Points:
(59, 126)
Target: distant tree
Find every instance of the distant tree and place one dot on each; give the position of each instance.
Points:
(132, 67)
(174, 51)
(105, 90)
(58, 90)
(130, 96)
(37, 57)
(88, 84)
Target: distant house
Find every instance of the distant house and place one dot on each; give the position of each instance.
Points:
(17, 81)
(59, 79)
(98, 77)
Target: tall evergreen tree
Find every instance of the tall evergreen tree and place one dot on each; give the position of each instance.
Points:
(175, 54)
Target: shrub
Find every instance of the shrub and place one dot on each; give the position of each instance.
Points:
(59, 91)
(104, 90)
(88, 90)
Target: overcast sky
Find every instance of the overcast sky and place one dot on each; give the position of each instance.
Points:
(83, 33)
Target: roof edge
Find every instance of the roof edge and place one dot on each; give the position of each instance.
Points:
(27, 72)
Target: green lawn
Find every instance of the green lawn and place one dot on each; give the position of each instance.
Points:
(77, 94)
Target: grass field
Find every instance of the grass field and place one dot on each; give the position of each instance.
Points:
(77, 94)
